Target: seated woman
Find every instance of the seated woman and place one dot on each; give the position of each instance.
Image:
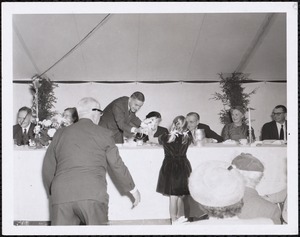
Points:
(237, 129)
(154, 130)
(220, 188)
(70, 115)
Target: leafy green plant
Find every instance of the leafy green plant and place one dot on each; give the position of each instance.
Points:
(232, 94)
(42, 89)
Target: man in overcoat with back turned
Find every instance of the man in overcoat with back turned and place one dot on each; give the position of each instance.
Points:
(75, 167)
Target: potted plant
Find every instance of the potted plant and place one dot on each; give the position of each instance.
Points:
(232, 94)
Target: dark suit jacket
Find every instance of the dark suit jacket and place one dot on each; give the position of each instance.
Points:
(18, 133)
(116, 118)
(209, 133)
(269, 131)
(76, 161)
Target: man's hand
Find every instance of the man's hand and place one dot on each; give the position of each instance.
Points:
(137, 198)
(137, 130)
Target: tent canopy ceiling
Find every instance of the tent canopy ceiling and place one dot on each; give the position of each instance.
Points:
(149, 47)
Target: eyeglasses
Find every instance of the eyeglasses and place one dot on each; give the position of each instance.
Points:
(278, 113)
(99, 110)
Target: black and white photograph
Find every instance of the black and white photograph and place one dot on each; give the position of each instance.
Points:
(157, 118)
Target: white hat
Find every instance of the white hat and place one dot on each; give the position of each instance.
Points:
(216, 184)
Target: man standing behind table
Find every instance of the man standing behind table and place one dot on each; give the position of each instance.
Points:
(75, 166)
(193, 120)
(119, 116)
(23, 131)
(277, 129)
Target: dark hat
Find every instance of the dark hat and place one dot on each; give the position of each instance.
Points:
(153, 114)
(247, 162)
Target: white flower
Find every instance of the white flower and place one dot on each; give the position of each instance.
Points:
(37, 129)
(47, 123)
(32, 142)
(144, 131)
(51, 132)
(57, 121)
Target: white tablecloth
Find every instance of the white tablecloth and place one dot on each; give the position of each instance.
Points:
(144, 162)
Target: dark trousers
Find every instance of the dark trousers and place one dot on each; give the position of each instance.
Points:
(84, 212)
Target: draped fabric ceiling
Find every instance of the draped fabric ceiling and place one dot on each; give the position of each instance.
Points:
(149, 47)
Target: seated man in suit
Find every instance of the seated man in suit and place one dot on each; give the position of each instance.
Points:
(193, 120)
(23, 131)
(277, 129)
(119, 116)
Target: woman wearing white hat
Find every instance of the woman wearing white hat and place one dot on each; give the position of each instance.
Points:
(220, 188)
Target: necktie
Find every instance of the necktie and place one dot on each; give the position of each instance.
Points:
(281, 136)
(25, 137)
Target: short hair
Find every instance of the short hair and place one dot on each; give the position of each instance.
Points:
(138, 96)
(194, 114)
(239, 108)
(252, 178)
(74, 114)
(224, 212)
(153, 114)
(24, 108)
(85, 105)
(281, 107)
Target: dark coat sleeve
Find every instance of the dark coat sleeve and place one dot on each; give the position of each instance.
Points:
(210, 133)
(119, 169)
(49, 163)
(269, 131)
(121, 117)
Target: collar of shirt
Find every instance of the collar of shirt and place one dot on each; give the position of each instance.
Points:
(27, 128)
(279, 126)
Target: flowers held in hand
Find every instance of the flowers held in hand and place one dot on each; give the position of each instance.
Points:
(148, 124)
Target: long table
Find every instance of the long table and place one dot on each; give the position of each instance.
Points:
(144, 162)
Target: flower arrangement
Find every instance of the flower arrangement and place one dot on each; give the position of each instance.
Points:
(43, 100)
(233, 94)
(45, 130)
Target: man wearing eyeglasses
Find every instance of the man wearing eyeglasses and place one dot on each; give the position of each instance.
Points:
(277, 129)
(75, 167)
(23, 131)
(119, 116)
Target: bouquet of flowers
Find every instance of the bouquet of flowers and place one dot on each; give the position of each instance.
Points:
(147, 125)
(45, 130)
